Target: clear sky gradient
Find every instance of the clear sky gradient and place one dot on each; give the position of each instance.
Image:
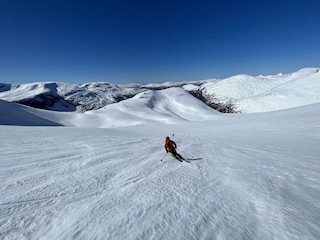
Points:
(124, 41)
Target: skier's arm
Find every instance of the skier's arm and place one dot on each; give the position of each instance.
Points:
(174, 144)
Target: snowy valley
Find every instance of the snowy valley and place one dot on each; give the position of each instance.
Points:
(96, 168)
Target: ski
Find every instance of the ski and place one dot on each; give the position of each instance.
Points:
(183, 160)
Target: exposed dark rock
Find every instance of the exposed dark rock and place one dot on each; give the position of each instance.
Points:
(48, 101)
(213, 102)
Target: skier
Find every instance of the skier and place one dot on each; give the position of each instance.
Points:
(170, 147)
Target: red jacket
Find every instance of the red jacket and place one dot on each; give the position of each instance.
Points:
(170, 145)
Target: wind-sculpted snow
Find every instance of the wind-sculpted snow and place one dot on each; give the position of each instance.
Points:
(248, 176)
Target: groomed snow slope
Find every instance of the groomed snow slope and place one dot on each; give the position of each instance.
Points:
(253, 176)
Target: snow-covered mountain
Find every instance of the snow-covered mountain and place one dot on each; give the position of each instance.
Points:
(266, 93)
(240, 93)
(172, 105)
(66, 97)
(70, 97)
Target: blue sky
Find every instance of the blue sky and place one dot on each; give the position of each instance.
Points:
(137, 41)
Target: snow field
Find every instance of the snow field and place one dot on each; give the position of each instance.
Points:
(248, 177)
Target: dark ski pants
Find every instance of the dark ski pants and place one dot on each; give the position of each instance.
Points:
(177, 155)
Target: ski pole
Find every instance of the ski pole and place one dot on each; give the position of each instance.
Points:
(163, 157)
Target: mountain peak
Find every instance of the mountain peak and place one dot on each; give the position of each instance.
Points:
(244, 93)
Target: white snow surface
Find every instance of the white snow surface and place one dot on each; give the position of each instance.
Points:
(246, 176)
(267, 93)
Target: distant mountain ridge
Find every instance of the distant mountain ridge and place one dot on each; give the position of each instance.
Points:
(239, 93)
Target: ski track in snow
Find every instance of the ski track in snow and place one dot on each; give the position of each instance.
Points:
(79, 183)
